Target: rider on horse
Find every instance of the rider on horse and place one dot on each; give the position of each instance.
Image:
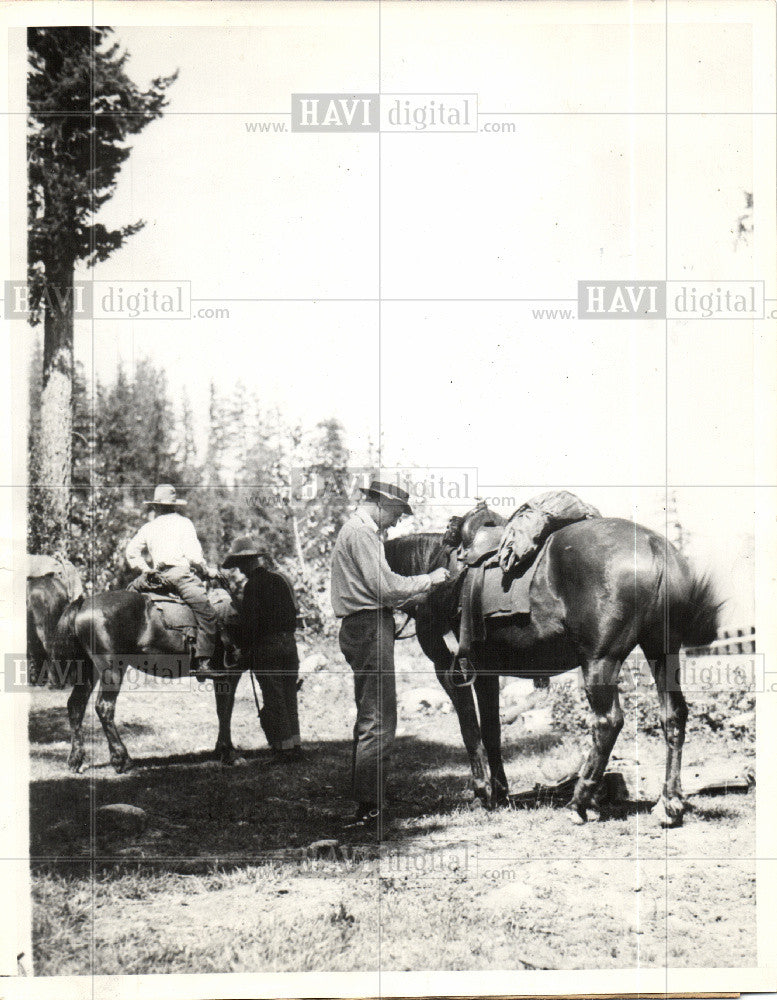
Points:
(173, 549)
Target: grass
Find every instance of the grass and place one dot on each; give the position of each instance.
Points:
(221, 879)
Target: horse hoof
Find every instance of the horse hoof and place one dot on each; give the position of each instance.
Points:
(123, 766)
(77, 766)
(579, 815)
(667, 818)
(226, 756)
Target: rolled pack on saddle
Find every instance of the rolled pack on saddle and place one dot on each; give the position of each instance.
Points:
(500, 561)
(62, 569)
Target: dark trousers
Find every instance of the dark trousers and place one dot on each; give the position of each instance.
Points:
(276, 665)
(190, 588)
(367, 643)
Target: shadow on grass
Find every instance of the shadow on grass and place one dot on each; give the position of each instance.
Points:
(50, 725)
(201, 814)
(713, 812)
(529, 744)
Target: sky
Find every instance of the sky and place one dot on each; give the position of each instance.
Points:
(391, 281)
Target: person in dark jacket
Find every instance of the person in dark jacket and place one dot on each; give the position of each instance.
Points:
(268, 619)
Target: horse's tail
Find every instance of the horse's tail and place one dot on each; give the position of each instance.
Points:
(688, 601)
(698, 613)
(69, 657)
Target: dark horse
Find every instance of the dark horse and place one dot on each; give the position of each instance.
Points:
(46, 600)
(601, 588)
(99, 637)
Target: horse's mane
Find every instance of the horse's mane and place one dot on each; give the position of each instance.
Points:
(414, 554)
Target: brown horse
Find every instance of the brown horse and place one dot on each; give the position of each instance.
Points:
(601, 588)
(99, 637)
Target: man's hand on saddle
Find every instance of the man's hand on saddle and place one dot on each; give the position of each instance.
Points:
(439, 576)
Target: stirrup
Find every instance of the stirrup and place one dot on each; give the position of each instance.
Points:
(466, 673)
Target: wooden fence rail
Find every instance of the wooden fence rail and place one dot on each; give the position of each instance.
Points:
(729, 642)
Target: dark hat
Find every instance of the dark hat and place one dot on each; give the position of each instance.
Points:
(241, 548)
(164, 496)
(388, 492)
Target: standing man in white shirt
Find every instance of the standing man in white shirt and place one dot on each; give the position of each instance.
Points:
(365, 590)
(173, 548)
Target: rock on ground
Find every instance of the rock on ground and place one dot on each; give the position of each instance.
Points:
(120, 818)
(517, 691)
(310, 664)
(424, 700)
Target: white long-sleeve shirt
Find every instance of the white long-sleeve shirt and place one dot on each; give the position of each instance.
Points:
(361, 577)
(169, 540)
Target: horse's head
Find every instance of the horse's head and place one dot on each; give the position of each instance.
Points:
(229, 623)
(452, 536)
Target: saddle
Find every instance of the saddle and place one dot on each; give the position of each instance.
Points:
(486, 592)
(485, 543)
(500, 561)
(175, 613)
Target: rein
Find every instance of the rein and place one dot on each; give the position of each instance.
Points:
(398, 633)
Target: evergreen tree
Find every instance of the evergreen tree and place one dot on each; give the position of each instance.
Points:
(82, 108)
(209, 505)
(328, 477)
(186, 450)
(153, 446)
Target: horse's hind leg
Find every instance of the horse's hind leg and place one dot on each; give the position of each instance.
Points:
(487, 690)
(601, 687)
(435, 647)
(674, 713)
(224, 688)
(111, 670)
(76, 706)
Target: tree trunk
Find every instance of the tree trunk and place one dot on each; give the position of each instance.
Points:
(298, 548)
(56, 415)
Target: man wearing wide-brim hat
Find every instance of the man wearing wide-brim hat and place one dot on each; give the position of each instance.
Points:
(365, 590)
(268, 619)
(173, 548)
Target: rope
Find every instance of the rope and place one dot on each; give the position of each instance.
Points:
(256, 697)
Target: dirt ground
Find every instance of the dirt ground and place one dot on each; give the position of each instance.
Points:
(222, 878)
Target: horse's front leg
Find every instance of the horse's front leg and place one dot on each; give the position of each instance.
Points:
(487, 690)
(111, 669)
(601, 687)
(224, 688)
(435, 647)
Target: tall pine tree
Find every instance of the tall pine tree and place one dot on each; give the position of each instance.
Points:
(82, 108)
